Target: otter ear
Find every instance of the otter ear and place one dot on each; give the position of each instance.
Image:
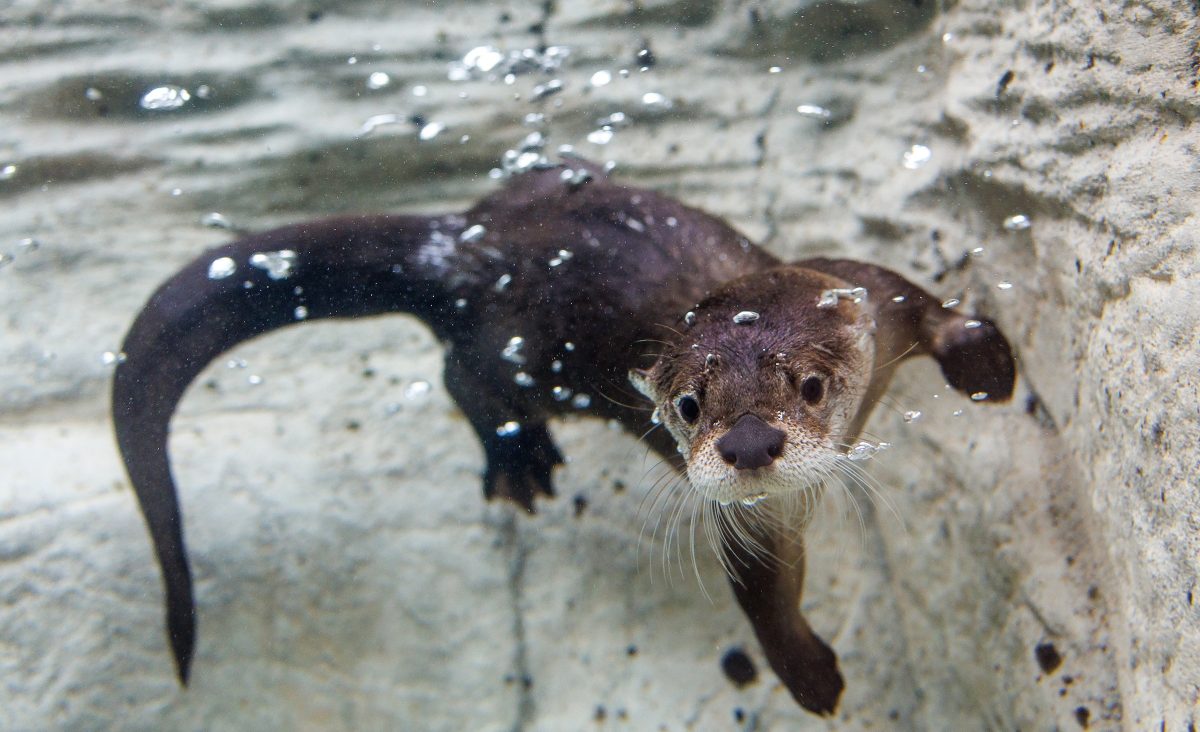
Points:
(643, 381)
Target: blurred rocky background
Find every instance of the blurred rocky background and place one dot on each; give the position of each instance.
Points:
(1030, 566)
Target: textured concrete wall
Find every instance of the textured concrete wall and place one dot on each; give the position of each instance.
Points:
(1031, 566)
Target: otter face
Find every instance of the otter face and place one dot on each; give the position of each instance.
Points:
(763, 406)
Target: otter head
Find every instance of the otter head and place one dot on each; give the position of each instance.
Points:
(763, 386)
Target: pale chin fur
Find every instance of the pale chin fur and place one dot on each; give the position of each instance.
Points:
(805, 464)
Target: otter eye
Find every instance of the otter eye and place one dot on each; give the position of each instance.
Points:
(812, 389)
(688, 408)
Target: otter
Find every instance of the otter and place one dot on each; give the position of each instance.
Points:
(551, 290)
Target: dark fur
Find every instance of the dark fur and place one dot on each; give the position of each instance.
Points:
(630, 272)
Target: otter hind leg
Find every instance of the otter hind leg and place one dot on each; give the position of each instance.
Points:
(519, 451)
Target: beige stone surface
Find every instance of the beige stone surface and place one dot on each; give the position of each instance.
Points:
(349, 574)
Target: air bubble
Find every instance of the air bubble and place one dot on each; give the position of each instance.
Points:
(430, 131)
(865, 450)
(689, 318)
(979, 396)
(600, 137)
(829, 298)
(654, 100)
(655, 417)
(378, 80)
(7, 171)
(899, 298)
(569, 346)
(746, 316)
(278, 265)
(418, 389)
(581, 401)
(509, 429)
(1017, 222)
(916, 156)
(952, 302)
(215, 220)
(512, 351)
(300, 313)
(972, 324)
(600, 78)
(813, 111)
(375, 121)
(112, 358)
(502, 283)
(1004, 285)
(254, 379)
(221, 267)
(523, 379)
(164, 98)
(560, 393)
(912, 415)
(473, 233)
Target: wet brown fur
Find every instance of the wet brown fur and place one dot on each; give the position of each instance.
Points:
(637, 261)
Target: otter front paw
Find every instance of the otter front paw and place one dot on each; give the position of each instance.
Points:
(519, 465)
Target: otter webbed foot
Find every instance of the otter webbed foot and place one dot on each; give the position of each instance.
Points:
(519, 464)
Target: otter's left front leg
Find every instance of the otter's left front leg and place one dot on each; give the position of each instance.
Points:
(519, 450)
(768, 588)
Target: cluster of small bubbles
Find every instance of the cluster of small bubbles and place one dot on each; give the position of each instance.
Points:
(912, 415)
(689, 318)
(375, 121)
(581, 401)
(378, 80)
(1004, 285)
(560, 393)
(541, 91)
(523, 379)
(972, 324)
(215, 220)
(509, 429)
(916, 156)
(489, 62)
(1017, 222)
(502, 283)
(278, 265)
(656, 101)
(575, 177)
(526, 156)
(979, 396)
(417, 389)
(221, 267)
(600, 78)
(814, 111)
(556, 366)
(563, 256)
(8, 171)
(749, 501)
(300, 313)
(655, 417)
(746, 316)
(512, 351)
(254, 379)
(430, 130)
(165, 98)
(829, 298)
(473, 233)
(952, 302)
(236, 363)
(865, 450)
(112, 358)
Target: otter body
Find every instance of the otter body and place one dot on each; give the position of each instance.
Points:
(549, 294)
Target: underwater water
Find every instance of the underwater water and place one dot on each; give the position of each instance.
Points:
(348, 572)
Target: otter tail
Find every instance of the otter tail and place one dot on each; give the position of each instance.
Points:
(335, 268)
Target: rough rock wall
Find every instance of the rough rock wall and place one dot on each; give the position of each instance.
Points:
(1030, 566)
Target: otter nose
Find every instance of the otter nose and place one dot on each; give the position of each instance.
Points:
(751, 443)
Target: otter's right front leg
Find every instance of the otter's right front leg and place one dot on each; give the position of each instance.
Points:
(768, 588)
(519, 450)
